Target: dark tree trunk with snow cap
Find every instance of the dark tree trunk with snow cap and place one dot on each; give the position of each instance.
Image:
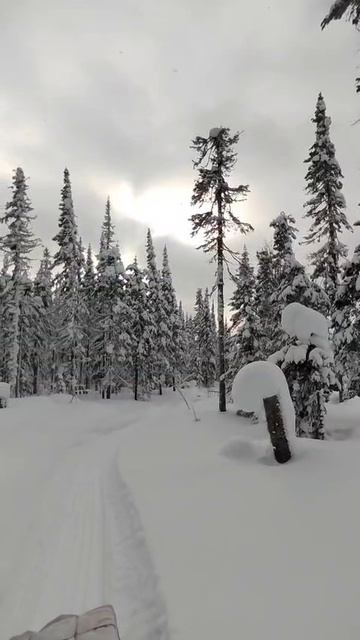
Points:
(276, 428)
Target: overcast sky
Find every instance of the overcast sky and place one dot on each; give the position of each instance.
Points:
(115, 90)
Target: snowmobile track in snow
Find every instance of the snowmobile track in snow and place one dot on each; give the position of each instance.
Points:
(87, 547)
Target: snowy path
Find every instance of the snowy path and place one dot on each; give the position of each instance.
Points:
(85, 546)
(247, 548)
(243, 547)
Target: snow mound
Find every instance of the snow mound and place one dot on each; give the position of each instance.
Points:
(259, 380)
(309, 326)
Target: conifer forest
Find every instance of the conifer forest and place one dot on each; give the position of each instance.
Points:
(179, 320)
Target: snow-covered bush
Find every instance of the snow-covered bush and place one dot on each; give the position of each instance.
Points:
(307, 362)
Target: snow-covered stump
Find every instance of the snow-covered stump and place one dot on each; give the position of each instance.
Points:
(262, 386)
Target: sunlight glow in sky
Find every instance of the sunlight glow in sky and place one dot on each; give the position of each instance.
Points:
(164, 207)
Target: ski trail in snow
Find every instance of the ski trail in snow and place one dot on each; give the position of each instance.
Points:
(87, 547)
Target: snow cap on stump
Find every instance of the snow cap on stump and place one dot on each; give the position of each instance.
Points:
(259, 380)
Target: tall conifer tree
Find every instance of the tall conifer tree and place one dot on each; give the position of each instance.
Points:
(346, 327)
(43, 333)
(139, 330)
(109, 292)
(326, 206)
(157, 319)
(17, 244)
(171, 333)
(245, 323)
(216, 158)
(68, 312)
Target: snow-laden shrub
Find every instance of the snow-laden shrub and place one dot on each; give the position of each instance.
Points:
(307, 361)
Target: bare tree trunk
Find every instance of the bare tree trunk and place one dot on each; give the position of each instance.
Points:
(319, 433)
(18, 372)
(343, 390)
(87, 369)
(35, 376)
(109, 375)
(136, 381)
(72, 370)
(276, 429)
(220, 310)
(53, 369)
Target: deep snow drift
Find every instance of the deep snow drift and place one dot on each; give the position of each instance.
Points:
(189, 529)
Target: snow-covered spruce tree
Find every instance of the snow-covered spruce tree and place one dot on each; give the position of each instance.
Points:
(29, 327)
(139, 330)
(196, 323)
(216, 338)
(172, 322)
(339, 8)
(265, 285)
(16, 244)
(228, 342)
(88, 294)
(82, 259)
(293, 284)
(284, 235)
(245, 323)
(108, 293)
(42, 329)
(326, 206)
(346, 327)
(296, 286)
(244, 288)
(307, 362)
(207, 345)
(202, 336)
(307, 369)
(184, 342)
(43, 280)
(192, 353)
(5, 285)
(348, 8)
(158, 328)
(216, 158)
(67, 299)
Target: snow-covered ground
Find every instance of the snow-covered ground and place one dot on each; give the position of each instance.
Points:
(188, 528)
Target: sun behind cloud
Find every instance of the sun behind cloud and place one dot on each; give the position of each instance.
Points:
(165, 207)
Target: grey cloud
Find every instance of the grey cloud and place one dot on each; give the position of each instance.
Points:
(119, 89)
